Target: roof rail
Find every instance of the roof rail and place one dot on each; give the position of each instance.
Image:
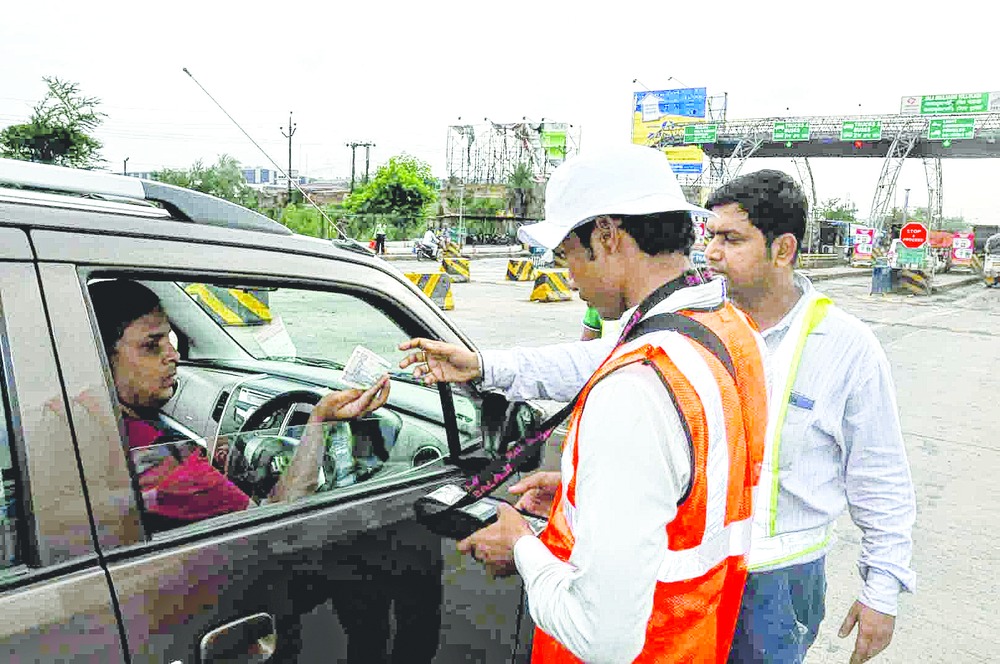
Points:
(183, 204)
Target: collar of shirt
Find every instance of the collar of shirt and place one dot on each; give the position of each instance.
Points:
(703, 296)
(805, 287)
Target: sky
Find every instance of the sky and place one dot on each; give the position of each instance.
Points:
(397, 74)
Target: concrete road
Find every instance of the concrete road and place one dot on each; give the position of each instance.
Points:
(946, 364)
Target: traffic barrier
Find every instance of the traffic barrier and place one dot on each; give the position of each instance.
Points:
(915, 282)
(436, 286)
(457, 269)
(452, 250)
(232, 306)
(520, 270)
(551, 286)
(976, 264)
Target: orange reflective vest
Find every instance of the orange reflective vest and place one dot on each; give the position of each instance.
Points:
(700, 581)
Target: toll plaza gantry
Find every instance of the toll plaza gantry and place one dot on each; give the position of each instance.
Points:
(892, 138)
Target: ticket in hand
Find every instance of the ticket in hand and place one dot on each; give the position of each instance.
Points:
(364, 368)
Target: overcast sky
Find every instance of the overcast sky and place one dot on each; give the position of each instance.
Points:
(399, 73)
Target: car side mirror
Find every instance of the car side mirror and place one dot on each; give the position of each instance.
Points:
(504, 422)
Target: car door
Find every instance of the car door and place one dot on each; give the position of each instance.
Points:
(333, 574)
(54, 594)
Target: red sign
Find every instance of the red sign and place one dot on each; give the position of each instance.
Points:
(913, 235)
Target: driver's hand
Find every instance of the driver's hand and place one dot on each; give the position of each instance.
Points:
(351, 404)
(440, 362)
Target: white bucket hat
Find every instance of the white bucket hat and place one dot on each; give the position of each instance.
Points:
(624, 180)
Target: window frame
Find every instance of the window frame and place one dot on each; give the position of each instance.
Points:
(409, 323)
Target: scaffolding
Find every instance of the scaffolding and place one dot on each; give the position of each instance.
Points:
(488, 153)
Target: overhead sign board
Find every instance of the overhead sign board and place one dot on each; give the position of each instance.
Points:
(789, 131)
(967, 102)
(701, 133)
(951, 129)
(861, 130)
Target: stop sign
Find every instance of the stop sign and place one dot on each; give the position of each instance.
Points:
(913, 235)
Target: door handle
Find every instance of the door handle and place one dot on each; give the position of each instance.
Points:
(252, 639)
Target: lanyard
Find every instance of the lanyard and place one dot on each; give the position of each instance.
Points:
(521, 451)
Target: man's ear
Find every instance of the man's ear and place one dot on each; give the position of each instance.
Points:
(784, 249)
(607, 232)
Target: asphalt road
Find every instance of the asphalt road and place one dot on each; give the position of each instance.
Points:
(943, 351)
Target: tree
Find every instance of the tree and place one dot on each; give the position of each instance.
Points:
(224, 179)
(833, 209)
(402, 189)
(522, 184)
(59, 130)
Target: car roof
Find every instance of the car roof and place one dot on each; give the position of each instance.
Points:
(92, 201)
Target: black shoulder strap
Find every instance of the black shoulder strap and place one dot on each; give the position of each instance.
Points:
(691, 329)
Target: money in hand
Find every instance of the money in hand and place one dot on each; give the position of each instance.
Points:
(364, 368)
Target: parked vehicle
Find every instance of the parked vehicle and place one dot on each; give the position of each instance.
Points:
(991, 261)
(264, 322)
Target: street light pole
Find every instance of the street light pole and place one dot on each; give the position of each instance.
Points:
(125, 166)
(291, 132)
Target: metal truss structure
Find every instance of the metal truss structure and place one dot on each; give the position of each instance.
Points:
(935, 200)
(488, 153)
(902, 137)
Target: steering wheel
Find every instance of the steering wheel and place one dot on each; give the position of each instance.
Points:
(255, 462)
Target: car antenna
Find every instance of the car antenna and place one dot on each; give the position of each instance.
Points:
(335, 225)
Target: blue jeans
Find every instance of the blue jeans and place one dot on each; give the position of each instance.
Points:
(780, 615)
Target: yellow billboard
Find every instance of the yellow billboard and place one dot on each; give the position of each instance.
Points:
(656, 113)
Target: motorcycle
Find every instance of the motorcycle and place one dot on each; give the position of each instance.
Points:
(431, 252)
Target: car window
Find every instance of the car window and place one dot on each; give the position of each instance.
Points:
(10, 554)
(228, 432)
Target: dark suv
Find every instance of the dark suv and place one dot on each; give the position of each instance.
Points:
(264, 322)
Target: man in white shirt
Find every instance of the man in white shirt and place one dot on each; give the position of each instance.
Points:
(834, 439)
(644, 553)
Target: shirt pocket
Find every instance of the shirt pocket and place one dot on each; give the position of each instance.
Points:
(800, 417)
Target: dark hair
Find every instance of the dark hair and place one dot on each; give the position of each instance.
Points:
(656, 233)
(117, 303)
(773, 201)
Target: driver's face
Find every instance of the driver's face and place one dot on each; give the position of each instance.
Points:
(144, 362)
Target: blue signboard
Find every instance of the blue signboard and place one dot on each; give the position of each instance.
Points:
(686, 168)
(687, 102)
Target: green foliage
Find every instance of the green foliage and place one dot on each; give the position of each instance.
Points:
(403, 190)
(305, 220)
(59, 129)
(224, 179)
(521, 177)
(834, 209)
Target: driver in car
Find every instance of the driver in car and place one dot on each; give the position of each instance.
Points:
(179, 485)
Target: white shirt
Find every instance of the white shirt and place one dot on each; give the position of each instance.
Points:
(849, 450)
(430, 238)
(634, 466)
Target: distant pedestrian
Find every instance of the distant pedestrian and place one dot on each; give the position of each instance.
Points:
(380, 237)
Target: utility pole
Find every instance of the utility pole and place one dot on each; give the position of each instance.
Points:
(291, 132)
(125, 166)
(354, 146)
(368, 147)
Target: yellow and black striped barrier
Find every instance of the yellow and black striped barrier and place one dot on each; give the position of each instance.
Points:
(520, 270)
(232, 306)
(551, 286)
(436, 286)
(976, 263)
(915, 282)
(452, 250)
(457, 269)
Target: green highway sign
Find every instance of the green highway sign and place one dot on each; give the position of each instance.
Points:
(951, 129)
(861, 130)
(700, 133)
(968, 102)
(911, 258)
(790, 131)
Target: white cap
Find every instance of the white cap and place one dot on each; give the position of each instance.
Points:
(624, 180)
